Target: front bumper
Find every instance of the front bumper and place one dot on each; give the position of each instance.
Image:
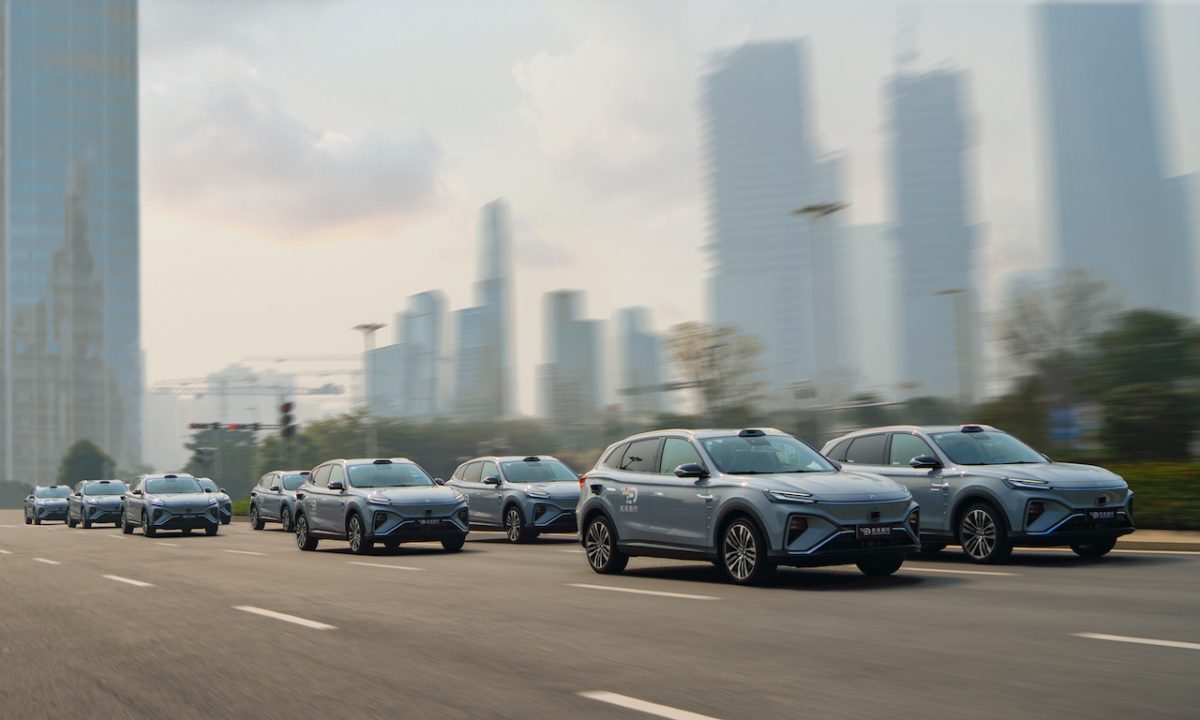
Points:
(1075, 528)
(844, 546)
(103, 514)
(52, 512)
(164, 519)
(389, 525)
(553, 519)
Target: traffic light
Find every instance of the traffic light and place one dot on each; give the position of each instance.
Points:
(287, 427)
(243, 426)
(204, 426)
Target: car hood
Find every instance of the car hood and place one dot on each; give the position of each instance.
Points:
(556, 490)
(190, 500)
(839, 485)
(1064, 475)
(415, 495)
(51, 501)
(103, 499)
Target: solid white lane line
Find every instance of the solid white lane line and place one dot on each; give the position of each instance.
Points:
(1156, 552)
(382, 565)
(5, 552)
(244, 552)
(1140, 641)
(166, 544)
(48, 562)
(957, 572)
(642, 706)
(577, 552)
(128, 581)
(9, 526)
(286, 618)
(685, 596)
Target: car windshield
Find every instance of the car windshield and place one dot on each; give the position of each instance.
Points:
(763, 454)
(537, 471)
(989, 447)
(207, 484)
(388, 475)
(52, 492)
(113, 488)
(291, 482)
(169, 486)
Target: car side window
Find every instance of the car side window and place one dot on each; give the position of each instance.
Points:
(473, 473)
(337, 474)
(321, 477)
(458, 472)
(839, 451)
(613, 459)
(867, 450)
(489, 469)
(676, 452)
(905, 447)
(641, 456)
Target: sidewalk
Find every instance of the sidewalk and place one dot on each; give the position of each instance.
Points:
(1161, 540)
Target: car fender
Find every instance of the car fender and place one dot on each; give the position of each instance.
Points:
(595, 504)
(971, 493)
(737, 505)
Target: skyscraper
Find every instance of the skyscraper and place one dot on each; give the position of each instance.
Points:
(1115, 212)
(768, 263)
(639, 362)
(571, 384)
(485, 385)
(935, 241)
(424, 353)
(69, 287)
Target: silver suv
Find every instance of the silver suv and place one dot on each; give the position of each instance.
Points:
(746, 500)
(95, 501)
(988, 491)
(174, 501)
(524, 496)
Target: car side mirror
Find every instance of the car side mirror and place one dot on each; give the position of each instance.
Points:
(439, 481)
(136, 491)
(78, 494)
(492, 480)
(30, 497)
(337, 485)
(223, 490)
(925, 462)
(691, 470)
(207, 490)
(274, 488)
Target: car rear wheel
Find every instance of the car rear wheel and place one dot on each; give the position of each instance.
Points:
(983, 535)
(126, 528)
(514, 526)
(360, 544)
(744, 554)
(147, 529)
(211, 530)
(454, 544)
(881, 565)
(256, 522)
(600, 544)
(304, 540)
(285, 519)
(1094, 548)
(70, 521)
(85, 521)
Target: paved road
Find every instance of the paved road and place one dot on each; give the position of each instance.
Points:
(499, 631)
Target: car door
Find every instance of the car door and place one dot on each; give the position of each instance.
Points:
(632, 490)
(332, 504)
(75, 502)
(680, 508)
(490, 496)
(469, 484)
(927, 485)
(314, 493)
(133, 501)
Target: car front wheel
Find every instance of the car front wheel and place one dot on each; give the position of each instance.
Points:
(454, 544)
(360, 544)
(1094, 548)
(881, 565)
(256, 522)
(514, 526)
(743, 553)
(600, 544)
(126, 528)
(304, 540)
(285, 519)
(148, 530)
(983, 535)
(28, 518)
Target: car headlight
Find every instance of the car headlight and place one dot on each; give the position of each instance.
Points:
(157, 501)
(459, 497)
(378, 499)
(1023, 484)
(789, 496)
(539, 494)
(213, 501)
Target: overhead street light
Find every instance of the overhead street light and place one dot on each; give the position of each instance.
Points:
(368, 331)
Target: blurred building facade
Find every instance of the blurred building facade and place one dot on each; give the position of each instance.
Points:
(870, 257)
(572, 389)
(484, 379)
(937, 312)
(69, 292)
(639, 363)
(406, 378)
(772, 271)
(1115, 212)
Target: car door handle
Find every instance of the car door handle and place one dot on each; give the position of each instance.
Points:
(943, 486)
(702, 496)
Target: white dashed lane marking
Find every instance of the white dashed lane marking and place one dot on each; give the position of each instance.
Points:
(128, 581)
(48, 562)
(166, 544)
(642, 706)
(284, 617)
(685, 596)
(5, 552)
(384, 565)
(995, 573)
(244, 552)
(1140, 641)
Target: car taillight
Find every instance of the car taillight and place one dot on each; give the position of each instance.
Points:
(582, 480)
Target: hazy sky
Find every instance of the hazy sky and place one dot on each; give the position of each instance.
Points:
(307, 165)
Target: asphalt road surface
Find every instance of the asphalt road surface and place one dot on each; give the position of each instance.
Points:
(244, 625)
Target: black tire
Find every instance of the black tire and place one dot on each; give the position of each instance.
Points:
(356, 534)
(28, 518)
(600, 545)
(984, 535)
(148, 530)
(454, 544)
(186, 531)
(514, 526)
(743, 553)
(212, 529)
(226, 520)
(391, 545)
(86, 522)
(256, 522)
(929, 550)
(70, 522)
(126, 528)
(37, 520)
(1094, 548)
(285, 519)
(880, 565)
(304, 540)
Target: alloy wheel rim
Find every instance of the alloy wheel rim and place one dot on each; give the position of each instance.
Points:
(741, 551)
(301, 532)
(284, 520)
(514, 524)
(599, 545)
(979, 534)
(355, 534)
(254, 516)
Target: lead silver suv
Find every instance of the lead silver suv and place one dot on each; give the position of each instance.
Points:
(747, 500)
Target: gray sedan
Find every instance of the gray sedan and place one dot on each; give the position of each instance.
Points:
(273, 499)
(95, 501)
(988, 491)
(46, 502)
(746, 500)
(524, 496)
(173, 501)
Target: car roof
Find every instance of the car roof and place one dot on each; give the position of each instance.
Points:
(509, 458)
(149, 476)
(927, 429)
(700, 434)
(371, 461)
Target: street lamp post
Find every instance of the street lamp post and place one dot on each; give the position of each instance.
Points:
(368, 331)
(962, 342)
(815, 212)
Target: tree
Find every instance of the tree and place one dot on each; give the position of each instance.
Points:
(1022, 412)
(1142, 346)
(1148, 421)
(85, 461)
(720, 363)
(227, 456)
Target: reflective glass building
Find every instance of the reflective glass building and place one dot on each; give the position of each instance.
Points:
(71, 361)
